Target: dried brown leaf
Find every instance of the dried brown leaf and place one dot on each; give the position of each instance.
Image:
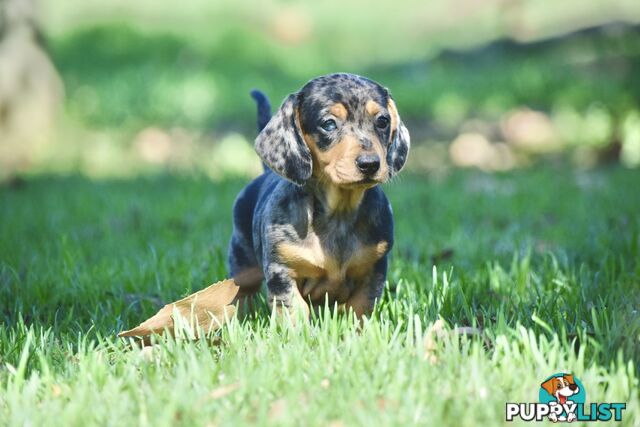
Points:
(223, 391)
(206, 310)
(56, 390)
(278, 409)
(435, 333)
(439, 331)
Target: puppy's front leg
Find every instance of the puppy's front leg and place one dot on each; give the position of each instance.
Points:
(282, 231)
(283, 293)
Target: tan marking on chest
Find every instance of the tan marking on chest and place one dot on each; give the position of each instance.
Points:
(343, 200)
(307, 259)
(310, 260)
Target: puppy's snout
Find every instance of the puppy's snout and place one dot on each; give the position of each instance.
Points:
(368, 163)
(573, 387)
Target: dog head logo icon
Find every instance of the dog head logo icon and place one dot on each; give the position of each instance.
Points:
(564, 390)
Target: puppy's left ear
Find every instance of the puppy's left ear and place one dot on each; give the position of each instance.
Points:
(400, 141)
(281, 146)
(570, 379)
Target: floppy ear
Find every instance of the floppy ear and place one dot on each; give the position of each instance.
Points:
(550, 386)
(569, 378)
(400, 141)
(280, 144)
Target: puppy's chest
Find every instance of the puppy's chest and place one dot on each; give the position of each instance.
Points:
(333, 253)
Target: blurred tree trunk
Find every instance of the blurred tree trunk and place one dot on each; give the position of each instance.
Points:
(30, 89)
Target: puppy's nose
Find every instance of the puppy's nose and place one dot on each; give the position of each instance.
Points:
(573, 387)
(368, 163)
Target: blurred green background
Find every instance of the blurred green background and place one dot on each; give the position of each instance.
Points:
(116, 116)
(122, 88)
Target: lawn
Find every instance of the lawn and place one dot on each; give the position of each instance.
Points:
(541, 266)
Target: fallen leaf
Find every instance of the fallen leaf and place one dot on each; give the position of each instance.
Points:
(56, 390)
(224, 390)
(386, 404)
(277, 409)
(434, 333)
(204, 311)
(439, 331)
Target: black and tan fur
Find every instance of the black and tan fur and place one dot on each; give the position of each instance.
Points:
(316, 225)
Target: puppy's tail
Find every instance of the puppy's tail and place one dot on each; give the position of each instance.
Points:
(264, 108)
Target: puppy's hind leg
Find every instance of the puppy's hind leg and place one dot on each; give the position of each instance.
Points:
(245, 272)
(243, 265)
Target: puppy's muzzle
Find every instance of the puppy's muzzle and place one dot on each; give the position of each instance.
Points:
(368, 164)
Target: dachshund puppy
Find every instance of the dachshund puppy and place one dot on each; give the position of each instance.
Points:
(316, 225)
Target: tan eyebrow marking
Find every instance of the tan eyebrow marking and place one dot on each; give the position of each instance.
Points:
(339, 110)
(372, 107)
(394, 114)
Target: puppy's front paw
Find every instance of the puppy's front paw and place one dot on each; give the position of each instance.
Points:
(296, 309)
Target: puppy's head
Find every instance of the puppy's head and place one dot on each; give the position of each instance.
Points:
(342, 129)
(561, 386)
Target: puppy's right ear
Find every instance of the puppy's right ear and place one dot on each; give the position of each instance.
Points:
(280, 144)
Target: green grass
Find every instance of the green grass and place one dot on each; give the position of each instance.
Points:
(546, 263)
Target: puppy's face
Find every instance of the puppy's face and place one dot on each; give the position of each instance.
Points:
(347, 123)
(563, 386)
(341, 128)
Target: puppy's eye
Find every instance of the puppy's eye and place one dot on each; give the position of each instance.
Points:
(328, 125)
(382, 122)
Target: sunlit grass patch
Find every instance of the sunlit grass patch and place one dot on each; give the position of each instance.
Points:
(496, 282)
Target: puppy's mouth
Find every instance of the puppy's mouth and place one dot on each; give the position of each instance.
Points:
(366, 182)
(348, 179)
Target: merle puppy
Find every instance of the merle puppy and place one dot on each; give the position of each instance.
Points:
(316, 225)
